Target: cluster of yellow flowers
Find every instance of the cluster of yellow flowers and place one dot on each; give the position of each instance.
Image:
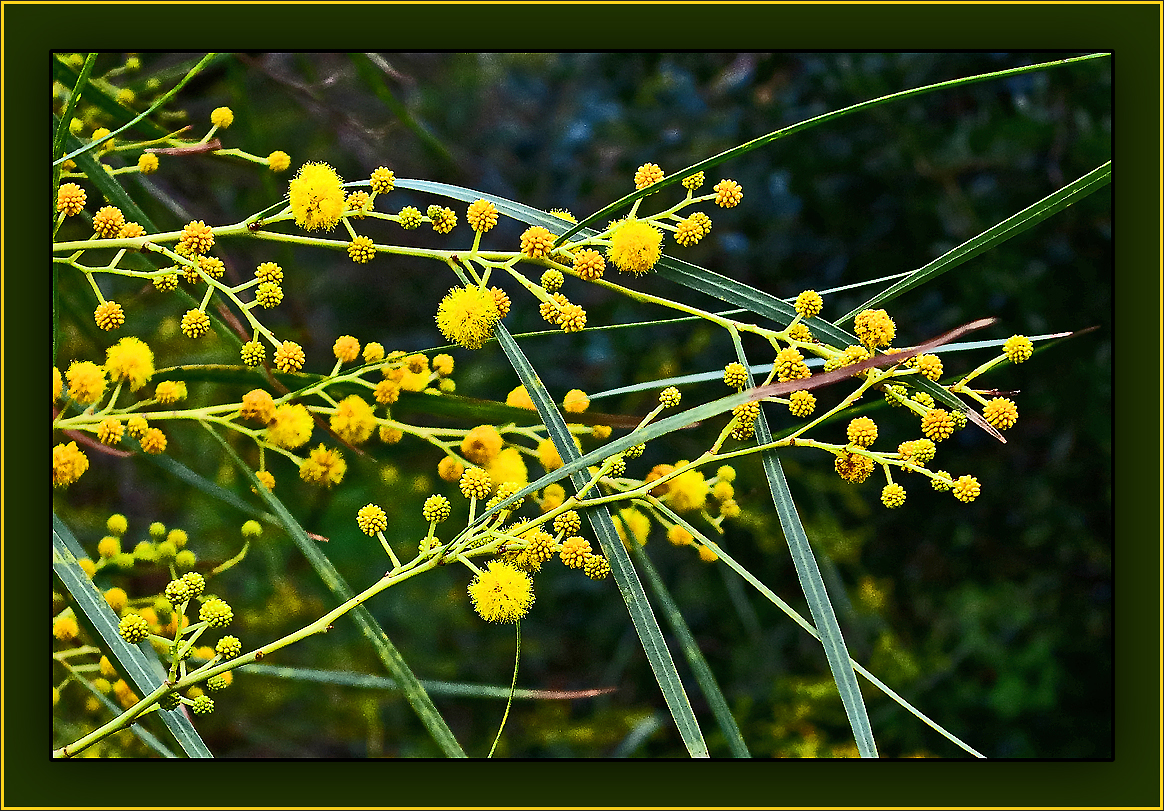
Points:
(489, 462)
(284, 425)
(855, 460)
(161, 618)
(633, 245)
(488, 467)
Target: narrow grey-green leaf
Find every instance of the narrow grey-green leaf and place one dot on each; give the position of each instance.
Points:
(140, 662)
(1010, 227)
(699, 666)
(413, 690)
(807, 571)
(749, 298)
(645, 623)
(692, 276)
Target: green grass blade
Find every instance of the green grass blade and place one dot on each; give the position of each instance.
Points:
(344, 678)
(413, 690)
(139, 663)
(604, 214)
(807, 571)
(1010, 227)
(645, 623)
(793, 614)
(699, 666)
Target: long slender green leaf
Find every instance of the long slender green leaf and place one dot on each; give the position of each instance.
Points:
(67, 117)
(826, 378)
(603, 214)
(1012, 226)
(692, 276)
(96, 95)
(140, 662)
(235, 374)
(679, 380)
(645, 623)
(811, 582)
(942, 395)
(699, 666)
(748, 297)
(56, 297)
(793, 614)
(935, 390)
(807, 571)
(200, 482)
(510, 208)
(764, 368)
(161, 100)
(479, 411)
(345, 678)
(413, 690)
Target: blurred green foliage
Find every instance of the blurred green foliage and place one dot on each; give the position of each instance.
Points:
(994, 618)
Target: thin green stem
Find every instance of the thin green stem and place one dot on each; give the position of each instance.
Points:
(512, 689)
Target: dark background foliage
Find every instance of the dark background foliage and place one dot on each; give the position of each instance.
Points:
(994, 617)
